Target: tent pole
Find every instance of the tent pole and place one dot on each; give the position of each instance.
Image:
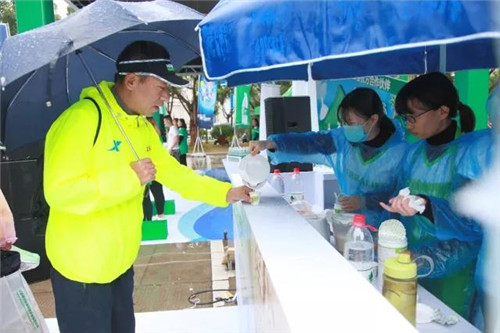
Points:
(442, 58)
(311, 92)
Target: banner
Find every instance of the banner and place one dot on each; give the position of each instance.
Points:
(207, 97)
(242, 107)
(4, 33)
(331, 92)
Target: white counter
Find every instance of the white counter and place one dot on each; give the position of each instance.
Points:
(290, 279)
(201, 320)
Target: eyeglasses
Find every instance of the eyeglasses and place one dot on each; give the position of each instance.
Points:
(412, 119)
(343, 123)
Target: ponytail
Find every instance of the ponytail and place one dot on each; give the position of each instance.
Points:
(467, 118)
(385, 124)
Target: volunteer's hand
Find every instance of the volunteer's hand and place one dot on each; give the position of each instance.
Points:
(350, 204)
(257, 146)
(241, 193)
(7, 247)
(401, 206)
(145, 170)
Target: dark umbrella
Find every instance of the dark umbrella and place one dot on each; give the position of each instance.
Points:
(43, 71)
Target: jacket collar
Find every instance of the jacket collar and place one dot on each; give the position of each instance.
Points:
(116, 106)
(120, 102)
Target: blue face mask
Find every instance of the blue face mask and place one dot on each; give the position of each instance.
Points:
(355, 133)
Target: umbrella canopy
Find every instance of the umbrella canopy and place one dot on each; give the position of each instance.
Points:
(257, 41)
(41, 71)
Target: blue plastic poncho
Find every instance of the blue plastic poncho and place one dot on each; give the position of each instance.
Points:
(478, 154)
(453, 241)
(361, 170)
(477, 158)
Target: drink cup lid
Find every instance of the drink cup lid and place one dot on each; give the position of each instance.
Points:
(401, 267)
(359, 220)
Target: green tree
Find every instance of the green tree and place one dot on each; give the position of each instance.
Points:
(8, 15)
(223, 93)
(189, 101)
(494, 78)
(255, 92)
(57, 17)
(254, 95)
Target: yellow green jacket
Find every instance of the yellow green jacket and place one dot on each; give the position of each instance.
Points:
(94, 229)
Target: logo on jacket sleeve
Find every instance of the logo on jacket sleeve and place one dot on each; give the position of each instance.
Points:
(116, 145)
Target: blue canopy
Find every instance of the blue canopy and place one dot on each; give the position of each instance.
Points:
(257, 41)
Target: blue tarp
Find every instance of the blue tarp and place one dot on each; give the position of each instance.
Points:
(4, 33)
(257, 41)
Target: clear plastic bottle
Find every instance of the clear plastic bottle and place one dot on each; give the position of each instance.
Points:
(277, 182)
(296, 186)
(358, 248)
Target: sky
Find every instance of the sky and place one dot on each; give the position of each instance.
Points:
(61, 8)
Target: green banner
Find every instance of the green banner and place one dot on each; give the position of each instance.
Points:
(473, 90)
(242, 95)
(384, 83)
(32, 14)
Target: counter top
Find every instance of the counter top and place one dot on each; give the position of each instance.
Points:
(310, 287)
(313, 288)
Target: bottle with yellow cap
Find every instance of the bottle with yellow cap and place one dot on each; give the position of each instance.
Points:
(400, 285)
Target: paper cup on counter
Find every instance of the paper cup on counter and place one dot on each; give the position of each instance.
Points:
(254, 198)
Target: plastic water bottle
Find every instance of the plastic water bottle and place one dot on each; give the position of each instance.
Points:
(358, 248)
(296, 187)
(277, 182)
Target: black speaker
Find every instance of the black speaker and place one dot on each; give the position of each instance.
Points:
(288, 115)
(22, 185)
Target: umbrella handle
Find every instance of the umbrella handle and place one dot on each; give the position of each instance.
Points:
(108, 106)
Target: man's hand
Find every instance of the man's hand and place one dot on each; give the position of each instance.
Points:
(350, 204)
(241, 193)
(400, 205)
(145, 170)
(7, 246)
(257, 146)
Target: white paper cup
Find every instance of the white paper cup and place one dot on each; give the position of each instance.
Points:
(254, 198)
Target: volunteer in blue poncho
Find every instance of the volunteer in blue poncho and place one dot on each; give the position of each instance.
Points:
(477, 159)
(365, 153)
(429, 104)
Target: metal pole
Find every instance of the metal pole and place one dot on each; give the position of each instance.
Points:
(87, 68)
(442, 58)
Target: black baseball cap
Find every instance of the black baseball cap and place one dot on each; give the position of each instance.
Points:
(149, 59)
(161, 69)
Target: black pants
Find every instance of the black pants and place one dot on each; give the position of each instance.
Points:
(147, 207)
(93, 307)
(182, 159)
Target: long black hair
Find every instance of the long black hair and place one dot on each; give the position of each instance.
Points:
(434, 90)
(364, 102)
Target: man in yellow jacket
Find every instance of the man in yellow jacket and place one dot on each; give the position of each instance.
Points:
(94, 185)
